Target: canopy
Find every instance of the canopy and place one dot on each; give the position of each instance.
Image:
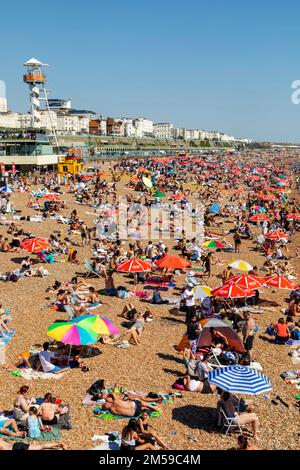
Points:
(234, 341)
(239, 379)
(232, 291)
(213, 244)
(134, 266)
(6, 189)
(277, 235)
(147, 182)
(240, 265)
(201, 292)
(258, 218)
(35, 245)
(51, 197)
(246, 281)
(276, 280)
(215, 208)
(71, 333)
(96, 325)
(172, 262)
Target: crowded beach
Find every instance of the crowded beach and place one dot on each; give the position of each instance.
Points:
(122, 327)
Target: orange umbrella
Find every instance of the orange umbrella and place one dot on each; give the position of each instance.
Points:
(172, 262)
(51, 197)
(177, 196)
(258, 218)
(232, 291)
(277, 235)
(35, 245)
(134, 266)
(247, 281)
(276, 280)
(294, 216)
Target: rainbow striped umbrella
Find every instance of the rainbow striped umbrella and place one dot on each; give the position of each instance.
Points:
(96, 325)
(71, 333)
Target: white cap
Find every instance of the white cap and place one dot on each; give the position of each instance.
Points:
(191, 274)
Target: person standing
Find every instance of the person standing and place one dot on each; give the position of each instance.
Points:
(237, 242)
(248, 334)
(189, 301)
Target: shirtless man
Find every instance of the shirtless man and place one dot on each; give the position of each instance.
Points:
(130, 408)
(24, 446)
(248, 333)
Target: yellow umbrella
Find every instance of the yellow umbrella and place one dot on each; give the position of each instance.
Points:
(201, 292)
(147, 182)
(240, 265)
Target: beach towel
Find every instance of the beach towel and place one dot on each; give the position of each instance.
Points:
(30, 374)
(54, 435)
(106, 415)
(88, 400)
(7, 338)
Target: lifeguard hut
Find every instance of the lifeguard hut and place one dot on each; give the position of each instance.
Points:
(70, 164)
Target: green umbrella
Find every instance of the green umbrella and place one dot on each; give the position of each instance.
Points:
(158, 193)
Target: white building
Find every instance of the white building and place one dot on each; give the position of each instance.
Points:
(3, 105)
(129, 128)
(163, 130)
(143, 127)
(68, 124)
(24, 120)
(178, 132)
(9, 120)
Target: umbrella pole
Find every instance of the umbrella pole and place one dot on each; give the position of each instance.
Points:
(69, 354)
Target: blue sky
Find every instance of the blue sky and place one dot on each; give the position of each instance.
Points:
(210, 64)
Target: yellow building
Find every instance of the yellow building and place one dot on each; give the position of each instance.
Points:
(68, 165)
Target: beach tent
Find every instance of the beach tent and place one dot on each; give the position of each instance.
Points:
(234, 341)
(214, 208)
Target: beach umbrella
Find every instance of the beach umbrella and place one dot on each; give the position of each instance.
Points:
(177, 196)
(259, 208)
(71, 333)
(213, 244)
(51, 197)
(267, 197)
(158, 193)
(172, 262)
(258, 218)
(239, 379)
(96, 324)
(232, 291)
(134, 266)
(35, 245)
(277, 235)
(135, 179)
(6, 189)
(201, 292)
(246, 281)
(234, 340)
(147, 182)
(240, 265)
(276, 280)
(294, 216)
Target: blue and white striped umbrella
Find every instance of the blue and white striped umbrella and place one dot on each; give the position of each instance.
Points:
(238, 379)
(6, 189)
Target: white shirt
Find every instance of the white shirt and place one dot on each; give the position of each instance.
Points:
(45, 358)
(189, 301)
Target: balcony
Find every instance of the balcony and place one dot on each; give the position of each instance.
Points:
(34, 78)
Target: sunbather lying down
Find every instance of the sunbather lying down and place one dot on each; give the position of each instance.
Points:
(129, 407)
(24, 446)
